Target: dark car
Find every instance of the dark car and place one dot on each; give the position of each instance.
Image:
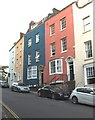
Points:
(52, 92)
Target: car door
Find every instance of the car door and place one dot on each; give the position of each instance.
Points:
(47, 91)
(80, 95)
(89, 96)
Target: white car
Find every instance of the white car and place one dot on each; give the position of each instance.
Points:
(4, 84)
(85, 95)
(20, 87)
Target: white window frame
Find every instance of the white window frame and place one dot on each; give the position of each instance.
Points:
(86, 24)
(52, 29)
(37, 57)
(88, 49)
(90, 72)
(56, 71)
(29, 42)
(63, 23)
(19, 76)
(30, 72)
(37, 38)
(52, 49)
(29, 59)
(64, 49)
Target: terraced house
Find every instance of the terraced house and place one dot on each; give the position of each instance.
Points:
(60, 46)
(34, 53)
(84, 28)
(19, 55)
(16, 61)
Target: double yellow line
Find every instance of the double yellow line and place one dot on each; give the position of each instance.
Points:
(10, 111)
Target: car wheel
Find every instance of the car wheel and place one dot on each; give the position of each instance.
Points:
(53, 96)
(75, 100)
(39, 94)
(19, 90)
(12, 89)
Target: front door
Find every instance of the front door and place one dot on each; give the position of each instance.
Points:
(71, 70)
(41, 77)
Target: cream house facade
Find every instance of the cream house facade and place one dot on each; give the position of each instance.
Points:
(19, 53)
(84, 27)
(16, 54)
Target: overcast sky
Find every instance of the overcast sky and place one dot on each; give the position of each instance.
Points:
(15, 16)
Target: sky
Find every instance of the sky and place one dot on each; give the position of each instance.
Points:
(15, 16)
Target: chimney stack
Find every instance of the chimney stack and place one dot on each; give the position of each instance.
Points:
(55, 11)
(21, 35)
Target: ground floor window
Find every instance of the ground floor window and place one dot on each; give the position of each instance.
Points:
(19, 76)
(90, 72)
(55, 66)
(32, 72)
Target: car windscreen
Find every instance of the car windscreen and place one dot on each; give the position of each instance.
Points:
(22, 84)
(57, 89)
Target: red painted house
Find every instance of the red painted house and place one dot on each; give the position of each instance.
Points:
(60, 46)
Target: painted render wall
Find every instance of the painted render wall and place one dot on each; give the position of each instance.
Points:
(19, 54)
(12, 65)
(68, 32)
(80, 39)
(32, 50)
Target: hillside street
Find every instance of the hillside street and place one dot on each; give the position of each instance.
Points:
(29, 105)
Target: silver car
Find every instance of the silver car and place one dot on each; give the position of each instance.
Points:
(85, 95)
(20, 87)
(4, 84)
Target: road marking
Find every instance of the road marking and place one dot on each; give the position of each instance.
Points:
(10, 111)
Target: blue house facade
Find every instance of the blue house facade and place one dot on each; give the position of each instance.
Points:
(34, 55)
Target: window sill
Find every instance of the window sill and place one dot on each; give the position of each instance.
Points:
(52, 56)
(62, 29)
(64, 51)
(88, 58)
(86, 31)
(52, 35)
(55, 73)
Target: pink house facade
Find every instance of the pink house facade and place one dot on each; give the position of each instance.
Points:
(60, 46)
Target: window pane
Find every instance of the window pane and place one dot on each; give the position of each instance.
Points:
(59, 65)
(52, 49)
(63, 23)
(64, 44)
(37, 56)
(32, 72)
(37, 37)
(53, 67)
(86, 23)
(52, 29)
(29, 59)
(56, 66)
(88, 49)
(29, 42)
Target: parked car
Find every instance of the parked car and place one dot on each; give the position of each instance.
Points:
(20, 87)
(85, 95)
(4, 84)
(52, 92)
